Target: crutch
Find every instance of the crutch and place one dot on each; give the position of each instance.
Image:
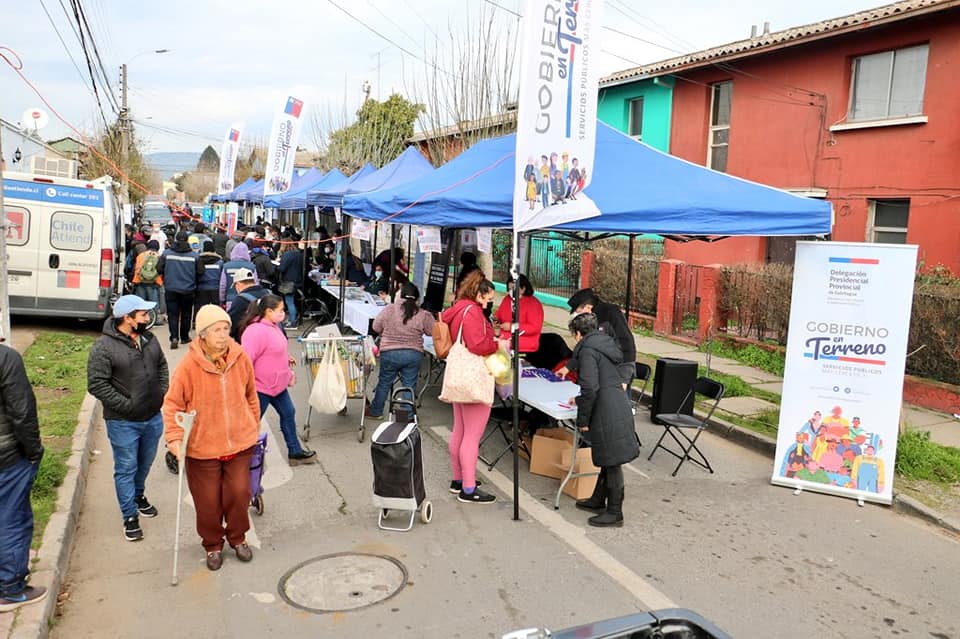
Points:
(185, 421)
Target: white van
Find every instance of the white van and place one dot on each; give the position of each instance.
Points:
(64, 245)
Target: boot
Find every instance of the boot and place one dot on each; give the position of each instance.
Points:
(613, 516)
(597, 502)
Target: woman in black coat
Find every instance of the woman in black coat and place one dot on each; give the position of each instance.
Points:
(603, 411)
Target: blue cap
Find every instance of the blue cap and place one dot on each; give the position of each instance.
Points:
(131, 304)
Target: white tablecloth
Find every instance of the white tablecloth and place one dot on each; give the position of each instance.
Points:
(356, 313)
(549, 397)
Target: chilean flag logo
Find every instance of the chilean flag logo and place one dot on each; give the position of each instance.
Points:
(234, 135)
(294, 107)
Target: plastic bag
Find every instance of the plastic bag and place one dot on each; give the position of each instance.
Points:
(500, 366)
(329, 391)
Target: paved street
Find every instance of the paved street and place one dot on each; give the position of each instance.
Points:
(756, 559)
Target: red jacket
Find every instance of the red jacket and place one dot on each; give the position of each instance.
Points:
(531, 321)
(477, 331)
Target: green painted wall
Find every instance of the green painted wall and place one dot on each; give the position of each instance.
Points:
(614, 109)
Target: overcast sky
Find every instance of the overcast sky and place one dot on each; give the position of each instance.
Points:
(238, 59)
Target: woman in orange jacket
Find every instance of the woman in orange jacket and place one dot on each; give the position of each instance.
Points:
(216, 380)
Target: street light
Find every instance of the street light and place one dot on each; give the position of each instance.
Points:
(125, 121)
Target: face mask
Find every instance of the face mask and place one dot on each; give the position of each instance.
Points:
(141, 327)
(378, 274)
(328, 250)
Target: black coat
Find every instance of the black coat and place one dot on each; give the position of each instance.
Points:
(603, 405)
(19, 429)
(129, 381)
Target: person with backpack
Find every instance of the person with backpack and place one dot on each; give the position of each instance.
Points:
(239, 258)
(147, 279)
(248, 291)
(208, 286)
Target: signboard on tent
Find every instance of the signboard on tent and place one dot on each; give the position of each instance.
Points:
(233, 213)
(228, 158)
(557, 113)
(283, 147)
(843, 383)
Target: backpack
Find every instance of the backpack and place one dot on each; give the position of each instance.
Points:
(148, 270)
(442, 340)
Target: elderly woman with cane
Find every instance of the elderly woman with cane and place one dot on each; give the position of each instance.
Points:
(216, 380)
(605, 416)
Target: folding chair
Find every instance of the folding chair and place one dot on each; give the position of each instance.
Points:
(502, 419)
(641, 372)
(675, 424)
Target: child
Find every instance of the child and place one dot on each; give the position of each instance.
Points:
(532, 189)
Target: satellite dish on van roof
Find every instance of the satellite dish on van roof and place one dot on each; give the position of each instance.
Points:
(34, 119)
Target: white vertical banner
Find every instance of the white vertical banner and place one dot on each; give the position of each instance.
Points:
(233, 215)
(557, 112)
(843, 383)
(484, 240)
(228, 158)
(283, 147)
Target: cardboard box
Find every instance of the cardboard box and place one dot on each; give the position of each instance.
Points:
(547, 451)
(580, 487)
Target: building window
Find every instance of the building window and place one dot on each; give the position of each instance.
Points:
(889, 84)
(719, 125)
(889, 221)
(635, 126)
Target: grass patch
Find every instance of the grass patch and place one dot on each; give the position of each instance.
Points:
(920, 458)
(764, 423)
(56, 365)
(754, 356)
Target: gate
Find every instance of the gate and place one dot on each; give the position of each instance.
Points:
(686, 300)
(553, 264)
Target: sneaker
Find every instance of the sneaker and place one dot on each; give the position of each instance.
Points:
(145, 507)
(29, 595)
(244, 552)
(174, 344)
(457, 486)
(476, 497)
(131, 529)
(369, 413)
(303, 457)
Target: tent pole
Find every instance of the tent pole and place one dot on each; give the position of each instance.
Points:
(626, 304)
(515, 346)
(393, 262)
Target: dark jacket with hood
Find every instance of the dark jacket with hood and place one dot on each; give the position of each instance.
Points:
(179, 268)
(19, 429)
(266, 269)
(129, 381)
(211, 265)
(220, 239)
(602, 404)
(239, 258)
(291, 266)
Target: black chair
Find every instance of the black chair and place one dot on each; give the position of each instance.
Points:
(642, 372)
(675, 424)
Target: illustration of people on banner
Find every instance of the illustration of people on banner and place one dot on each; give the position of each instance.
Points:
(556, 180)
(836, 451)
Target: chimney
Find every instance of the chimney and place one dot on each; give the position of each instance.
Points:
(766, 28)
(753, 31)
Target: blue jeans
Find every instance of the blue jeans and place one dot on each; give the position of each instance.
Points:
(134, 447)
(16, 525)
(288, 418)
(291, 309)
(149, 292)
(404, 362)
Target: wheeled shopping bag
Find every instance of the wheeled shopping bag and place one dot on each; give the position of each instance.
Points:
(397, 456)
(257, 466)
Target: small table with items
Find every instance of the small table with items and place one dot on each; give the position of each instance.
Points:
(359, 308)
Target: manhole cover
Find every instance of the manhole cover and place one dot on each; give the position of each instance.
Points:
(344, 581)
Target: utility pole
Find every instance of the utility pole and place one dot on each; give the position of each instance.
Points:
(4, 281)
(124, 136)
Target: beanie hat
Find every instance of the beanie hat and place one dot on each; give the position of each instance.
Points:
(209, 315)
(153, 245)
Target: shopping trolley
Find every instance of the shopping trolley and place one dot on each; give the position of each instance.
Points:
(354, 356)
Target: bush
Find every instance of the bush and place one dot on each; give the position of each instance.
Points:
(755, 298)
(920, 458)
(609, 278)
(934, 327)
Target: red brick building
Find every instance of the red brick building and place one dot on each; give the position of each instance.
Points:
(863, 110)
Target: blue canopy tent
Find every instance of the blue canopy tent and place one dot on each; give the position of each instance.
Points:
(245, 193)
(229, 196)
(297, 191)
(330, 194)
(637, 189)
(406, 167)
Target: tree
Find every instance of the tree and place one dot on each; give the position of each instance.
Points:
(209, 160)
(108, 142)
(377, 135)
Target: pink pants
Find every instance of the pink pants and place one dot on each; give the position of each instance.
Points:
(469, 422)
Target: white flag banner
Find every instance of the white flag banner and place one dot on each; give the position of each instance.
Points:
(283, 147)
(484, 240)
(843, 383)
(428, 239)
(557, 112)
(228, 158)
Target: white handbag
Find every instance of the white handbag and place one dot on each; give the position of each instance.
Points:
(329, 391)
(466, 379)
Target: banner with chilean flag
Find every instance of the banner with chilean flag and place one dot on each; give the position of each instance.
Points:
(228, 158)
(283, 147)
(557, 112)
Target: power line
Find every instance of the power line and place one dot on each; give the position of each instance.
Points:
(103, 72)
(93, 78)
(65, 47)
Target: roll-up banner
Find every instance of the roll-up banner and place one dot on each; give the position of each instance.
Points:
(557, 112)
(843, 383)
(283, 147)
(228, 158)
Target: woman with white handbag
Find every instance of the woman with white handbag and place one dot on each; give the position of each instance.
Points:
(467, 384)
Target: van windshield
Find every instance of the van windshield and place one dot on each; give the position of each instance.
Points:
(156, 214)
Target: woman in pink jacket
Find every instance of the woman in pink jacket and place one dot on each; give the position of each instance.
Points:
(262, 337)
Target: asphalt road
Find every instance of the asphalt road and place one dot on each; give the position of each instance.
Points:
(756, 559)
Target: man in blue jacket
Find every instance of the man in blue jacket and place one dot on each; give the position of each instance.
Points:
(180, 270)
(20, 455)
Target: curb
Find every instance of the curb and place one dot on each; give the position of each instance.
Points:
(57, 543)
(910, 506)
